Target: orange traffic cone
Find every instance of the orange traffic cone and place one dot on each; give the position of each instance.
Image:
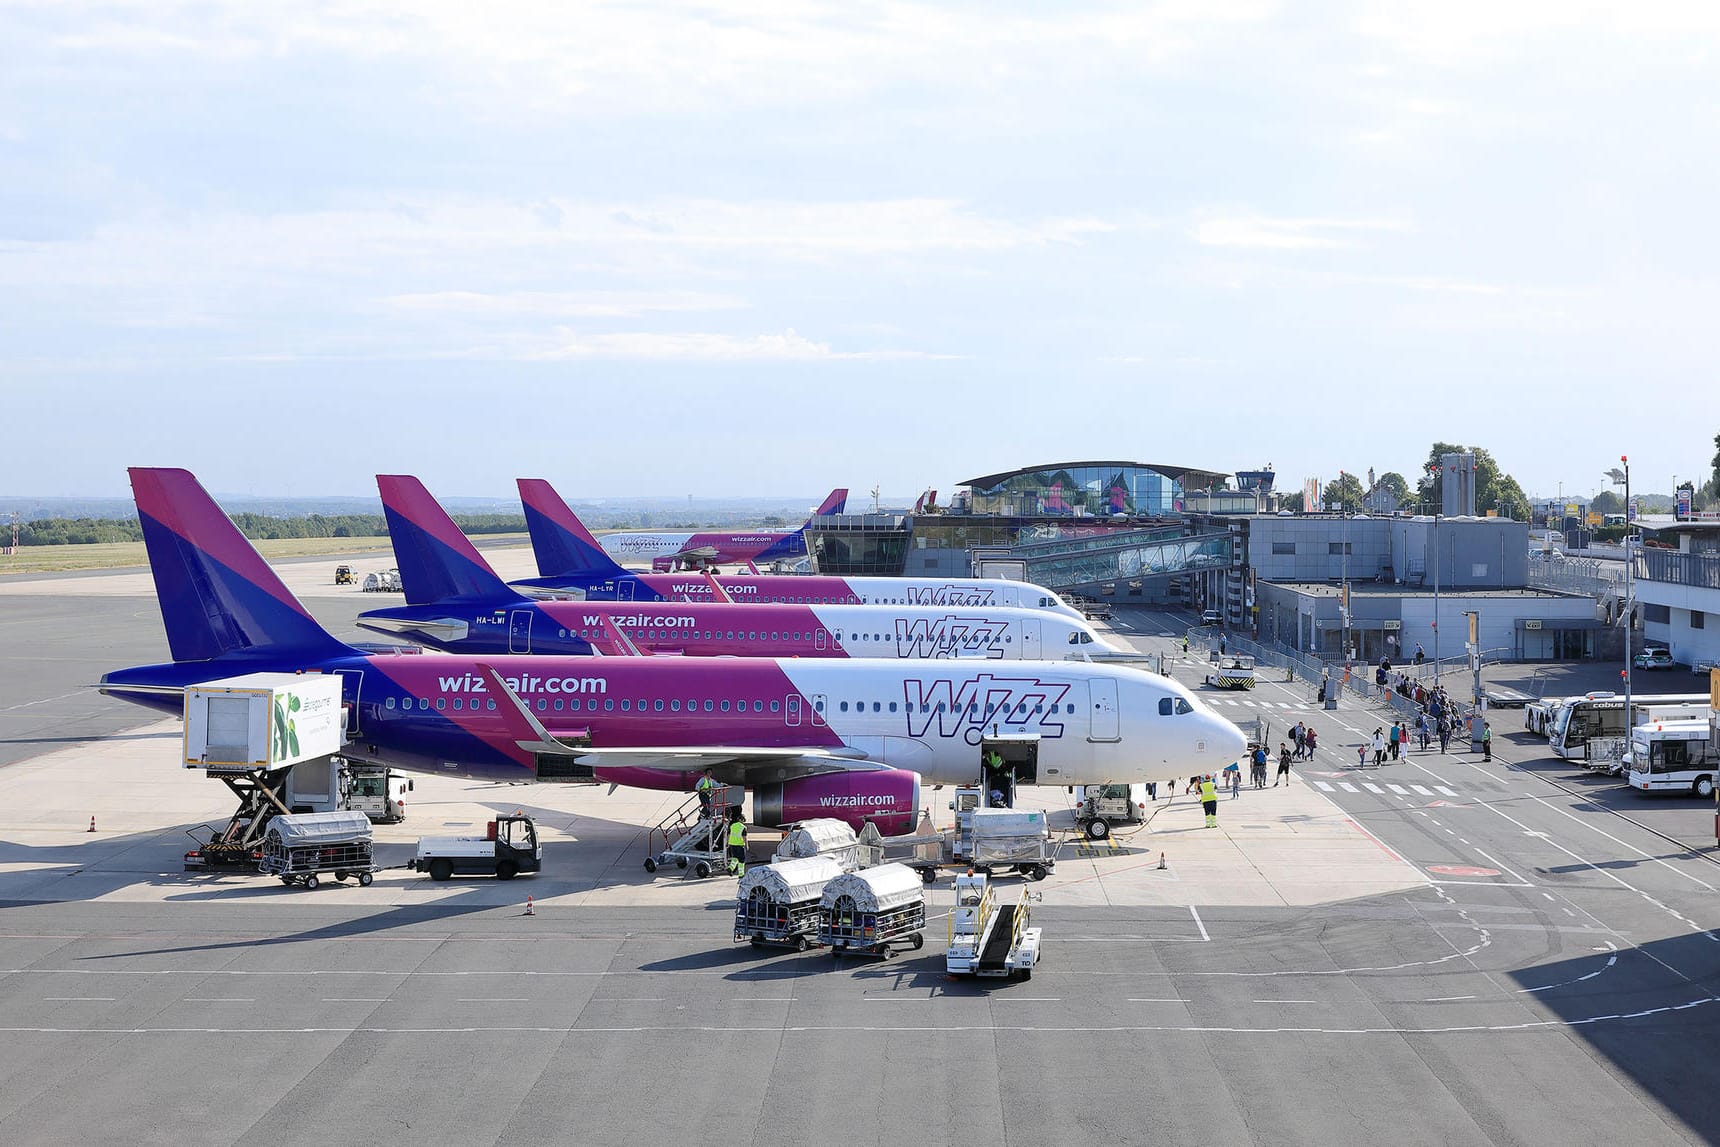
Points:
(530, 911)
(92, 827)
(1162, 865)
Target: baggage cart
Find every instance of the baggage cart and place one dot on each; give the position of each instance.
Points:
(1008, 838)
(821, 837)
(873, 911)
(778, 903)
(301, 848)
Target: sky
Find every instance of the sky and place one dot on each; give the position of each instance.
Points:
(776, 246)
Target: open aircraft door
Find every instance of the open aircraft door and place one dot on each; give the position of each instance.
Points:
(520, 631)
(352, 686)
(1102, 693)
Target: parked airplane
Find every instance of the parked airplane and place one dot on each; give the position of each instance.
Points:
(458, 604)
(850, 739)
(683, 549)
(570, 560)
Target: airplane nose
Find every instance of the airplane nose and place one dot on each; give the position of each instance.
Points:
(1225, 741)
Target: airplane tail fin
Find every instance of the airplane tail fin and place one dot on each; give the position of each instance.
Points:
(437, 561)
(564, 547)
(835, 504)
(793, 545)
(218, 596)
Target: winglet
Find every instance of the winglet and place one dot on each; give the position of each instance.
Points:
(528, 732)
(717, 589)
(615, 642)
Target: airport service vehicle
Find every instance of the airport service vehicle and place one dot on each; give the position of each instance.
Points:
(1590, 717)
(457, 603)
(778, 903)
(508, 847)
(1103, 806)
(874, 911)
(850, 739)
(1673, 756)
(343, 575)
(570, 561)
(987, 938)
(1653, 659)
(376, 792)
(1230, 671)
(301, 848)
(687, 550)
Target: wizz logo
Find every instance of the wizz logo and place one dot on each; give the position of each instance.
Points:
(968, 708)
(947, 637)
(948, 595)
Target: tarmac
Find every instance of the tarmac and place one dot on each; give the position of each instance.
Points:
(1440, 951)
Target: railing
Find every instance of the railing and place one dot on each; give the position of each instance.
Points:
(1699, 570)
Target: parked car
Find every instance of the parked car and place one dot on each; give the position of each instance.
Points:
(1211, 617)
(1653, 659)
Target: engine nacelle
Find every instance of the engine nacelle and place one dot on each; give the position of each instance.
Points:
(888, 798)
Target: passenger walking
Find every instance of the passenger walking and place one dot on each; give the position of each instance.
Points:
(1379, 747)
(1486, 741)
(1362, 755)
(1312, 740)
(1421, 730)
(737, 845)
(1283, 768)
(1209, 801)
(1233, 777)
(1397, 736)
(1298, 738)
(1259, 775)
(1444, 735)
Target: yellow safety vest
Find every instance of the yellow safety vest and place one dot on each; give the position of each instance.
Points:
(1208, 791)
(737, 834)
(705, 785)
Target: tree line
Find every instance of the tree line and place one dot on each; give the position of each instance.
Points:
(89, 531)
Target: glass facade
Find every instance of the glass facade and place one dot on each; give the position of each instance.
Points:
(1100, 490)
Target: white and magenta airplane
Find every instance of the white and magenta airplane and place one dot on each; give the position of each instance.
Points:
(683, 549)
(851, 739)
(571, 562)
(456, 603)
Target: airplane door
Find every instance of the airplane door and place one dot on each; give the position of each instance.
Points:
(819, 638)
(520, 631)
(624, 589)
(1103, 695)
(1031, 649)
(791, 709)
(352, 688)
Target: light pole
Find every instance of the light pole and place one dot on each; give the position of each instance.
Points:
(1623, 476)
(1431, 471)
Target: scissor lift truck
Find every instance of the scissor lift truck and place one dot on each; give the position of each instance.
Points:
(987, 938)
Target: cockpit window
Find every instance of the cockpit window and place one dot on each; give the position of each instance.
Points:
(1183, 707)
(1165, 704)
(1170, 705)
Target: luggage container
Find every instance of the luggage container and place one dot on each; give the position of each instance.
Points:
(872, 911)
(300, 848)
(778, 903)
(1005, 838)
(821, 837)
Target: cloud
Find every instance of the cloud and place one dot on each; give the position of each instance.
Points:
(684, 347)
(1286, 234)
(560, 304)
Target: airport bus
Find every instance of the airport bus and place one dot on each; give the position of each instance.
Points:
(1587, 718)
(1675, 756)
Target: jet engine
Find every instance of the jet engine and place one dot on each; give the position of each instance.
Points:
(888, 798)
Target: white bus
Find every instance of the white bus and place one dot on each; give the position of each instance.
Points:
(1676, 756)
(1603, 716)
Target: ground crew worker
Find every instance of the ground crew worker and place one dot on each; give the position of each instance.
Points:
(737, 845)
(1486, 741)
(706, 788)
(1209, 800)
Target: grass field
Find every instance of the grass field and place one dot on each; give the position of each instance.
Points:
(114, 555)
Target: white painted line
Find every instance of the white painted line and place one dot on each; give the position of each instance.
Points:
(1371, 788)
(1283, 1001)
(762, 1000)
(1323, 786)
(1199, 923)
(1155, 1000)
(1501, 865)
(352, 1000)
(1398, 789)
(1348, 787)
(201, 1000)
(1446, 999)
(1444, 792)
(633, 1000)
(898, 999)
(494, 1000)
(1422, 791)
(1027, 999)
(78, 999)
